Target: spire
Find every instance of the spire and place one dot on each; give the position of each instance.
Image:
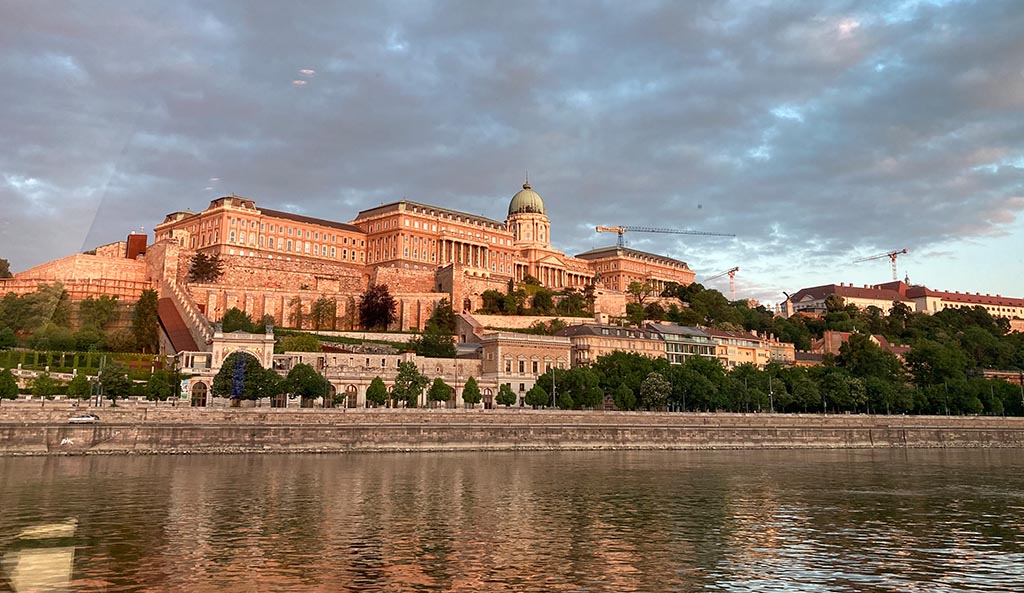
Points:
(527, 184)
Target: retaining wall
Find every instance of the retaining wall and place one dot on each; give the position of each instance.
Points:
(39, 431)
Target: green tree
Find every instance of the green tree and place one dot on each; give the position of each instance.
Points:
(44, 386)
(158, 386)
(377, 307)
(236, 319)
(536, 396)
(5, 268)
(437, 340)
(115, 382)
(121, 340)
(505, 396)
(409, 384)
(471, 392)
(377, 393)
(580, 384)
(439, 391)
(640, 291)
(654, 311)
(79, 387)
(324, 313)
(249, 374)
(654, 391)
(98, 312)
(635, 313)
(8, 385)
(543, 302)
(205, 269)
(8, 339)
(624, 398)
(300, 343)
(492, 302)
(305, 382)
(295, 314)
(145, 322)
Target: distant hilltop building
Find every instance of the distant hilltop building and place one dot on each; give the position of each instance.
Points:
(919, 299)
(276, 261)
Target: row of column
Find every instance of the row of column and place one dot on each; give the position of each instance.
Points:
(477, 256)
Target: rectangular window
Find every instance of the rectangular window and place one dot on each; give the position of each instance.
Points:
(522, 367)
(231, 237)
(316, 250)
(334, 252)
(508, 366)
(280, 243)
(289, 244)
(535, 367)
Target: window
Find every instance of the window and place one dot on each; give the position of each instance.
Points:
(535, 367)
(508, 366)
(334, 252)
(522, 367)
(231, 237)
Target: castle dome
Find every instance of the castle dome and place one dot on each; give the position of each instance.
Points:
(526, 200)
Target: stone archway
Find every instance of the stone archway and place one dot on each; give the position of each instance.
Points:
(351, 396)
(200, 395)
(488, 398)
(332, 392)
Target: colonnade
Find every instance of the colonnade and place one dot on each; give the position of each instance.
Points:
(460, 252)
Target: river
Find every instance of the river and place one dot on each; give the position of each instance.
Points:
(787, 521)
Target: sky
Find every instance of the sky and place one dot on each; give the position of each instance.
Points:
(817, 133)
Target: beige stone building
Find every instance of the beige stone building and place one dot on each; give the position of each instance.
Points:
(617, 267)
(234, 225)
(518, 359)
(591, 341)
(736, 348)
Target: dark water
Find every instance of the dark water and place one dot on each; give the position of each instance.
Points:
(626, 521)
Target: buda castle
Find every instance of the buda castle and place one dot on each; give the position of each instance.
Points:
(415, 248)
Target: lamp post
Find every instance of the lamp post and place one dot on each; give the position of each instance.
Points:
(553, 387)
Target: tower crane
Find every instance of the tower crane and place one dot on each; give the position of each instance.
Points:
(732, 280)
(892, 255)
(621, 230)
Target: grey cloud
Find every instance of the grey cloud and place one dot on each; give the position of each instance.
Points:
(778, 120)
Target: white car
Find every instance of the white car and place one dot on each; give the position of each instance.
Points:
(84, 419)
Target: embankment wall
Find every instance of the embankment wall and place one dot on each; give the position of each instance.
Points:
(32, 431)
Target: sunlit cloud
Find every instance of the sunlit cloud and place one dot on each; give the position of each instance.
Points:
(299, 83)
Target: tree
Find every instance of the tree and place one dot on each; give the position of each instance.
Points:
(97, 312)
(79, 387)
(409, 384)
(44, 386)
(581, 386)
(439, 391)
(492, 302)
(543, 303)
(505, 396)
(300, 343)
(654, 311)
(5, 268)
(624, 398)
(240, 377)
(377, 307)
(158, 387)
(205, 269)
(324, 313)
(305, 382)
(635, 313)
(471, 392)
(295, 315)
(377, 393)
(536, 396)
(437, 340)
(115, 382)
(8, 385)
(640, 291)
(654, 391)
(145, 322)
(8, 339)
(236, 319)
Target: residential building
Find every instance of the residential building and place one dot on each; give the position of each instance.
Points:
(591, 341)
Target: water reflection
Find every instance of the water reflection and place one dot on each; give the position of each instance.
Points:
(586, 521)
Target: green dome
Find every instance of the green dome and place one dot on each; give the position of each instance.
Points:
(526, 200)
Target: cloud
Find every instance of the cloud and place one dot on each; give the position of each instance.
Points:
(858, 127)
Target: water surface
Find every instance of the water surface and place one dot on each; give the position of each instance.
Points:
(560, 521)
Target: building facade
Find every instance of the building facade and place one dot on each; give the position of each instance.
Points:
(517, 360)
(591, 341)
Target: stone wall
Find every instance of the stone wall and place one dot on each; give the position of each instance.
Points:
(402, 281)
(30, 430)
(524, 321)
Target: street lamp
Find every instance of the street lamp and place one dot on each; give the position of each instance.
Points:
(553, 388)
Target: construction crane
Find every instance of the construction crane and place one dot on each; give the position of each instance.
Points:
(621, 230)
(732, 280)
(892, 255)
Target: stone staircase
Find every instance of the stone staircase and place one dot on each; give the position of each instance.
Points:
(185, 324)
